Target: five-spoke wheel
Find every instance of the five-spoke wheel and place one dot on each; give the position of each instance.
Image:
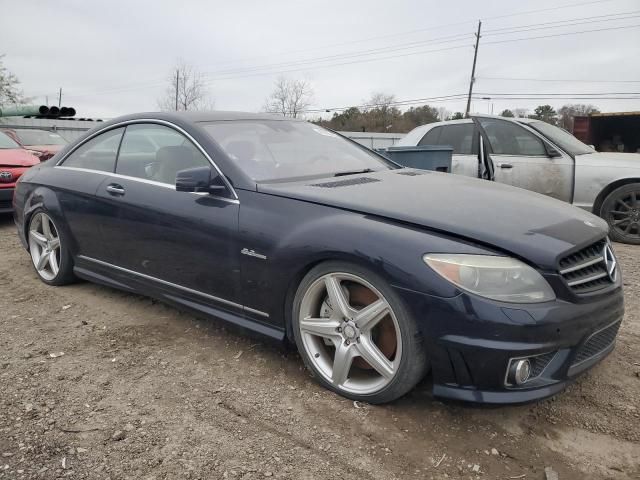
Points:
(621, 209)
(44, 245)
(50, 259)
(352, 337)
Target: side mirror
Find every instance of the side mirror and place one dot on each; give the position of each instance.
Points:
(199, 179)
(193, 179)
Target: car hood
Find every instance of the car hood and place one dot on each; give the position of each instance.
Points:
(17, 157)
(528, 225)
(611, 159)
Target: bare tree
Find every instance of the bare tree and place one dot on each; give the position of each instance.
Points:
(568, 112)
(520, 112)
(290, 97)
(380, 101)
(443, 114)
(9, 91)
(186, 91)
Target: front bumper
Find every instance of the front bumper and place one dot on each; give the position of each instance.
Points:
(470, 341)
(6, 199)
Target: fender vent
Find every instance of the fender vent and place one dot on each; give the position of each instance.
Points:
(346, 183)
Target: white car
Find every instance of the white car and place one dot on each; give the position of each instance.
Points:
(537, 156)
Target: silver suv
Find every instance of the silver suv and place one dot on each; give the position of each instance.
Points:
(537, 156)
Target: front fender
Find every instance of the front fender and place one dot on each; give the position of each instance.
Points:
(294, 235)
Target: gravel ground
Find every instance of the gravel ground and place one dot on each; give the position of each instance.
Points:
(96, 383)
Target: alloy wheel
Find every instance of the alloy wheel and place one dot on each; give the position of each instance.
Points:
(44, 245)
(350, 333)
(624, 217)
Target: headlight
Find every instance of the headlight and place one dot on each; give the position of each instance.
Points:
(499, 278)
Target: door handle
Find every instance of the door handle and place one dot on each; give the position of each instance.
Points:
(115, 189)
(505, 165)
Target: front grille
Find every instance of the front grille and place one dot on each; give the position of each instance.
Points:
(5, 204)
(597, 343)
(586, 271)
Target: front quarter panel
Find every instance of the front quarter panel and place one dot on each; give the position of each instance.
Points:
(294, 235)
(595, 172)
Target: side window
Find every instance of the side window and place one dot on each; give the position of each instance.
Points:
(459, 136)
(507, 138)
(155, 152)
(99, 153)
(431, 137)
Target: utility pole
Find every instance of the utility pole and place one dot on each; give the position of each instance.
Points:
(60, 97)
(177, 81)
(473, 69)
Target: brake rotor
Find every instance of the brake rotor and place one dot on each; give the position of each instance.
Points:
(384, 334)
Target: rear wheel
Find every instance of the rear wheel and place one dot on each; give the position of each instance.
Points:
(48, 249)
(621, 210)
(355, 335)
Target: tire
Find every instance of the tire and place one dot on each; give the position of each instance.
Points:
(48, 247)
(383, 351)
(621, 210)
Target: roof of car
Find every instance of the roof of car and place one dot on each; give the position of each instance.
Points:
(212, 116)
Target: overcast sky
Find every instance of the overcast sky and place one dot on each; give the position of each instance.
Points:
(113, 57)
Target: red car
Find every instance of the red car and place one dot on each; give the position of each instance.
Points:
(14, 161)
(44, 144)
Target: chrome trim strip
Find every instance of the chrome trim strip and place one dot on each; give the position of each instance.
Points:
(588, 279)
(160, 122)
(174, 285)
(588, 263)
(144, 180)
(257, 312)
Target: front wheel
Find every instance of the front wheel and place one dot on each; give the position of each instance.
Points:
(621, 210)
(355, 335)
(49, 251)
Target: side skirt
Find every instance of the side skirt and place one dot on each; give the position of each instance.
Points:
(175, 298)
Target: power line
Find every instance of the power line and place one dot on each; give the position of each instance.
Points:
(546, 26)
(561, 34)
(555, 22)
(581, 80)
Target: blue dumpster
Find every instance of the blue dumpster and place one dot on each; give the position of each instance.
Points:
(424, 157)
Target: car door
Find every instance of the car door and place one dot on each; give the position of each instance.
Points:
(183, 240)
(522, 159)
(76, 180)
(463, 138)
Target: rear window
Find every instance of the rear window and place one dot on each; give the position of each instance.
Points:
(39, 137)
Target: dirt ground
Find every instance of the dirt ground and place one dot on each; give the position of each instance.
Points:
(96, 383)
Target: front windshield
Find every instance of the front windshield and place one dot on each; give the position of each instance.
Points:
(562, 138)
(276, 149)
(39, 137)
(7, 142)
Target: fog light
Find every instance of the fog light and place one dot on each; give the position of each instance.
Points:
(519, 371)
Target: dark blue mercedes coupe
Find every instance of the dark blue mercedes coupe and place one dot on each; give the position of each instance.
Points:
(378, 274)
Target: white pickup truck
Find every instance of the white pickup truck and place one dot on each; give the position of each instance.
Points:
(537, 156)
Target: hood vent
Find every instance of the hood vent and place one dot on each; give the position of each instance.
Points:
(410, 173)
(346, 183)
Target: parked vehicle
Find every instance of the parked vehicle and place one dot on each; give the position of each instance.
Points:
(376, 273)
(537, 156)
(44, 144)
(14, 161)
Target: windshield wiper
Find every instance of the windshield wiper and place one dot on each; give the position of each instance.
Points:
(353, 172)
